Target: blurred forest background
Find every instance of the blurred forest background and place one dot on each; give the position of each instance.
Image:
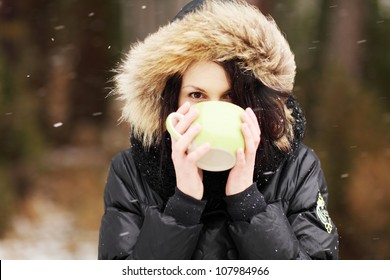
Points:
(59, 130)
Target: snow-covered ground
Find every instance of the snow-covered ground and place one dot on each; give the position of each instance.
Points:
(50, 235)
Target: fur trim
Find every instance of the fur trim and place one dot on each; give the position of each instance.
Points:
(216, 31)
(284, 143)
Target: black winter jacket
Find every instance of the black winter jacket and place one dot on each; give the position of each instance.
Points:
(294, 224)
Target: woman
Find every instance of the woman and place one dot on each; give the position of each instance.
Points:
(158, 204)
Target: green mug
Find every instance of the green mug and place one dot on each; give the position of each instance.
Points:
(221, 128)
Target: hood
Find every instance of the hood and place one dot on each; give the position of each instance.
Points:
(205, 30)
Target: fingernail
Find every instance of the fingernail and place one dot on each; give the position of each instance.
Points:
(196, 126)
(185, 105)
(194, 111)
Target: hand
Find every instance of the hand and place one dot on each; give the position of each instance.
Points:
(188, 175)
(241, 175)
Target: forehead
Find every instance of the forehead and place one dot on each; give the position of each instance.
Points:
(205, 74)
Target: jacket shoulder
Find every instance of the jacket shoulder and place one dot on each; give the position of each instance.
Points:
(122, 162)
(305, 179)
(305, 154)
(125, 183)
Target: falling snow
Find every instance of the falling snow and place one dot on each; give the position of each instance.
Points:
(59, 27)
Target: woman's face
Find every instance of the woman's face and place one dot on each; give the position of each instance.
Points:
(205, 81)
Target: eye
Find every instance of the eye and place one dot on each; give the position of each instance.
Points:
(196, 95)
(228, 96)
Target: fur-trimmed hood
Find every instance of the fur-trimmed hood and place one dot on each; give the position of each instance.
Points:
(214, 31)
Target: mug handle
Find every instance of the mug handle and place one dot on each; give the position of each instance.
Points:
(169, 124)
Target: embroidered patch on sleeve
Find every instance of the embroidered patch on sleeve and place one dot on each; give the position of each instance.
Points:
(323, 214)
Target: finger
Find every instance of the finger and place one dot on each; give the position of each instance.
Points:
(253, 117)
(185, 123)
(250, 146)
(198, 153)
(185, 140)
(240, 157)
(184, 108)
(253, 126)
(173, 140)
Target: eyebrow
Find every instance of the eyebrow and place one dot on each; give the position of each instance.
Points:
(202, 90)
(195, 87)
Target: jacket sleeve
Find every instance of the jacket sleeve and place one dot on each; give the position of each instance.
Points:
(133, 226)
(296, 224)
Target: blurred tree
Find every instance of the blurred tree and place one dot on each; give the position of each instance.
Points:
(340, 48)
(20, 139)
(83, 47)
(55, 60)
(353, 128)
